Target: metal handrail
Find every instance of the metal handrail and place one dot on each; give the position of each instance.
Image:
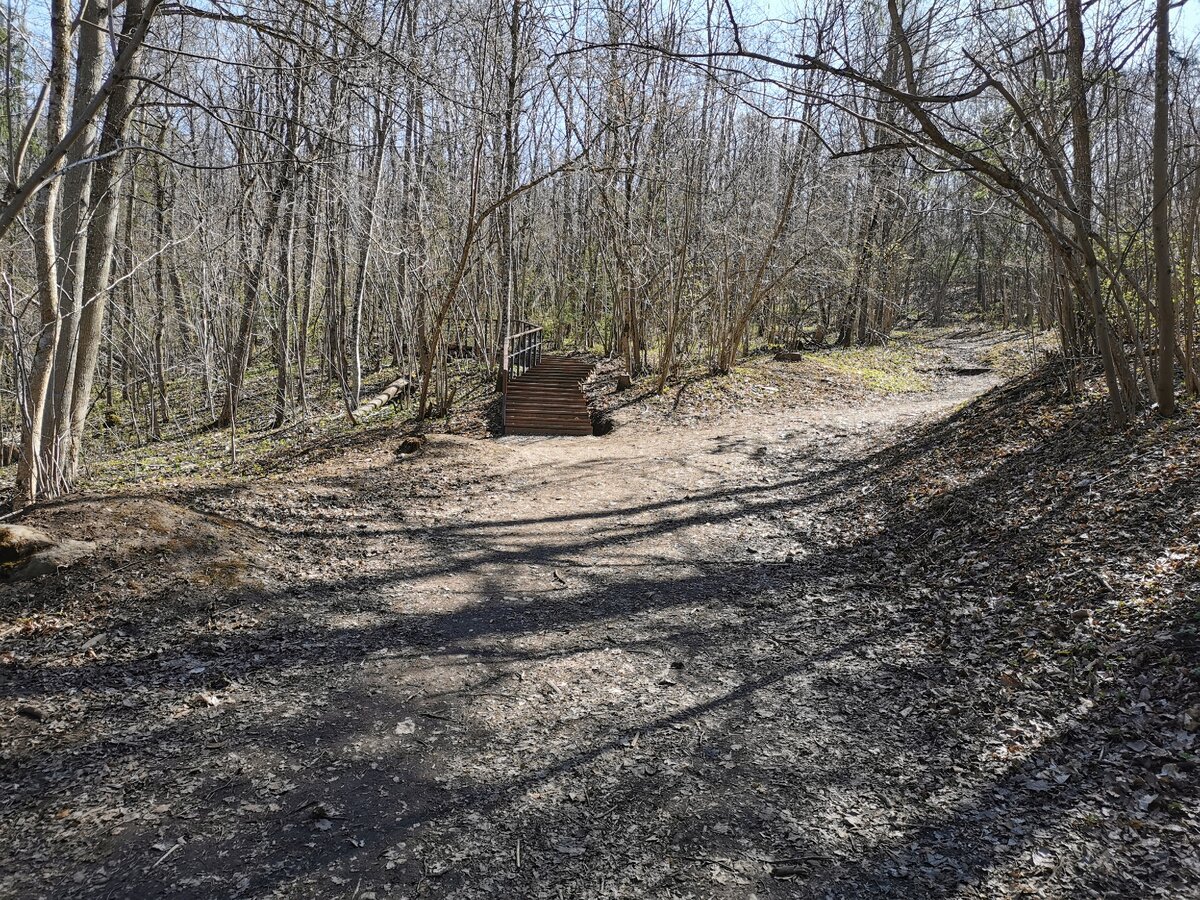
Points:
(522, 351)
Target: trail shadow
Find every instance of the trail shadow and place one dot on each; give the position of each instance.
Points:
(766, 749)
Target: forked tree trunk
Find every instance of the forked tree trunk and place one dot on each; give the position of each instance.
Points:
(102, 231)
(36, 472)
(72, 240)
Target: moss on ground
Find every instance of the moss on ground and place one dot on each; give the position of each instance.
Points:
(895, 368)
(1019, 353)
(118, 455)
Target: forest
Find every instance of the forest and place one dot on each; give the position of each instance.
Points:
(875, 567)
(286, 199)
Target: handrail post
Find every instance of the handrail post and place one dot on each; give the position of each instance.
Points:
(521, 351)
(504, 363)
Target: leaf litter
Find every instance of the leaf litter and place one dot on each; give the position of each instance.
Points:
(960, 660)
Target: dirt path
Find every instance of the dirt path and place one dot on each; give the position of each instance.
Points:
(643, 665)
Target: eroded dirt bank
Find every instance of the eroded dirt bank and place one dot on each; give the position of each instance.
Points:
(720, 660)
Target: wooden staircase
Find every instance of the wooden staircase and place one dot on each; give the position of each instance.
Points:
(546, 398)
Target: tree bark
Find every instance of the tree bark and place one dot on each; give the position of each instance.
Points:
(1160, 221)
(1088, 279)
(102, 229)
(37, 465)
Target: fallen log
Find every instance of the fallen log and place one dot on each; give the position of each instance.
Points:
(27, 553)
(380, 400)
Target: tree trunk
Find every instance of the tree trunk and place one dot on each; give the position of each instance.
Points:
(1087, 276)
(1164, 302)
(36, 472)
(102, 231)
(255, 273)
(72, 241)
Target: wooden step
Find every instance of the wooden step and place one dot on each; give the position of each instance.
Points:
(532, 391)
(566, 387)
(534, 416)
(511, 408)
(566, 428)
(521, 382)
(580, 428)
(548, 432)
(551, 396)
(529, 411)
(550, 399)
(547, 399)
(534, 409)
(532, 413)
